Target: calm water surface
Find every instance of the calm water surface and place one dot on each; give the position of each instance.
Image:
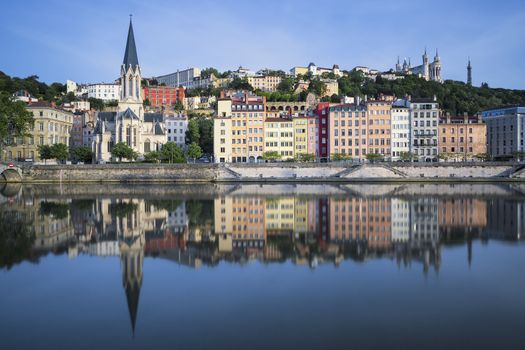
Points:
(262, 266)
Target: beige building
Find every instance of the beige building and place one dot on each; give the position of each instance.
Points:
(266, 83)
(52, 125)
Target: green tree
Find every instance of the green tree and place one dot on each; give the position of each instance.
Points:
(304, 157)
(206, 134)
(152, 157)
(286, 85)
(337, 157)
(193, 134)
(271, 155)
(15, 120)
(96, 103)
(373, 157)
(59, 151)
(407, 156)
(317, 87)
(83, 154)
(208, 72)
(483, 157)
(178, 106)
(240, 84)
(194, 151)
(44, 152)
(122, 150)
(172, 153)
(146, 102)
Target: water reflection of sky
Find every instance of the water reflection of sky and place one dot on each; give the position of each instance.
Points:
(253, 270)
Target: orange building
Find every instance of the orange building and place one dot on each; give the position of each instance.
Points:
(462, 138)
(378, 139)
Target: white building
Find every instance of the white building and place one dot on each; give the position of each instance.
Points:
(103, 91)
(400, 132)
(179, 78)
(71, 86)
(424, 116)
(176, 127)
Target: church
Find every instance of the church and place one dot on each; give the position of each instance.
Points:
(143, 132)
(428, 70)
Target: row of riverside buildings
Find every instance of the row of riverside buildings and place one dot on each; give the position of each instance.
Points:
(402, 129)
(247, 128)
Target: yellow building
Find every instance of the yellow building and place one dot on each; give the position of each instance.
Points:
(239, 129)
(52, 126)
(300, 128)
(279, 137)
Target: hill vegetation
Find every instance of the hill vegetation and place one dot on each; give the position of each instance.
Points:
(454, 97)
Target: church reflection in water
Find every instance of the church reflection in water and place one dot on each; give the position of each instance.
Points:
(305, 230)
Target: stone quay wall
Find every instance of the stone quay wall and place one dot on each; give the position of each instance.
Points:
(273, 172)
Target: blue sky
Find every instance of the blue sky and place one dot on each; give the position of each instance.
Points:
(84, 40)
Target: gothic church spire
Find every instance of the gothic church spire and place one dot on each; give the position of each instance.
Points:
(130, 55)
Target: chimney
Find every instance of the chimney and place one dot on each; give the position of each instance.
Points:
(53, 104)
(435, 98)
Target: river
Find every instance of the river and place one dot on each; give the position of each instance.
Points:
(262, 266)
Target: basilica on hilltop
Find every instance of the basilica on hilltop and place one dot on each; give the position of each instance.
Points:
(428, 70)
(143, 132)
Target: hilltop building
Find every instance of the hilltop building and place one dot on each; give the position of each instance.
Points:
(428, 70)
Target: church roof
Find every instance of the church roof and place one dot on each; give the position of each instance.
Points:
(106, 116)
(130, 55)
(153, 117)
(128, 114)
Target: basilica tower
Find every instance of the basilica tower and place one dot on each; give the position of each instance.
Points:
(469, 73)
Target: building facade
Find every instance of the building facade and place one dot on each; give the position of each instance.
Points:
(179, 78)
(279, 137)
(266, 83)
(505, 127)
(424, 115)
(462, 138)
(400, 124)
(176, 127)
(163, 97)
(239, 129)
(348, 131)
(379, 128)
(300, 135)
(103, 91)
(52, 126)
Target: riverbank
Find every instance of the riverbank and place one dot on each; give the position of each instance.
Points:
(270, 172)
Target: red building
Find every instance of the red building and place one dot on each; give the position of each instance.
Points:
(324, 132)
(163, 96)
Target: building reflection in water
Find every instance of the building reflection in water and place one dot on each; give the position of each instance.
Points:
(306, 230)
